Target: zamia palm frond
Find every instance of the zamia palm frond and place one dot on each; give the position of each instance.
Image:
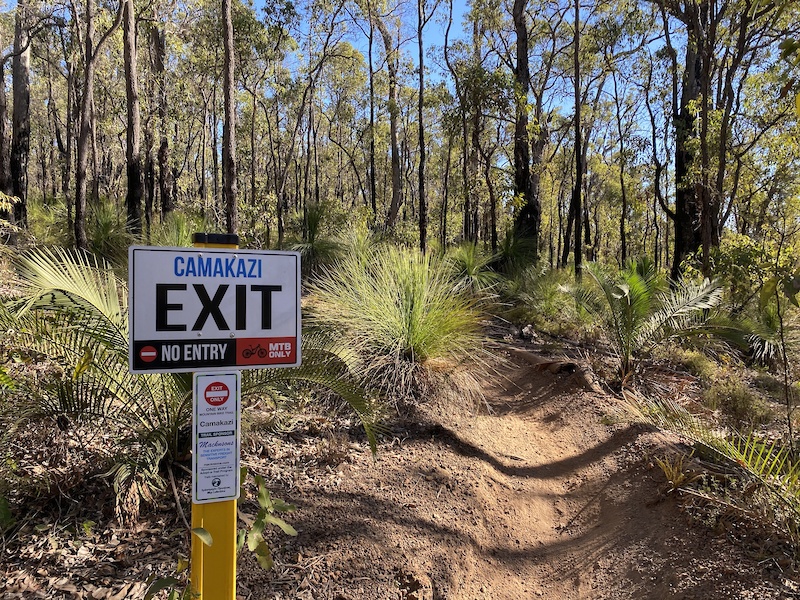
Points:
(74, 312)
(769, 464)
(639, 311)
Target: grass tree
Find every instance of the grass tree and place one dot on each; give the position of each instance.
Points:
(74, 315)
(407, 319)
(638, 309)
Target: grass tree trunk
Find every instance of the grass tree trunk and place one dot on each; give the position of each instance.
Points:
(21, 123)
(229, 125)
(133, 199)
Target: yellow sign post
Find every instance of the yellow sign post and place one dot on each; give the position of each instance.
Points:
(213, 568)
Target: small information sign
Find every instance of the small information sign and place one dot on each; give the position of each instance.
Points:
(215, 456)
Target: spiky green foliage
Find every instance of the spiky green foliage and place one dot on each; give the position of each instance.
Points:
(6, 206)
(538, 297)
(514, 255)
(109, 234)
(176, 230)
(767, 466)
(638, 310)
(316, 249)
(74, 313)
(471, 269)
(402, 314)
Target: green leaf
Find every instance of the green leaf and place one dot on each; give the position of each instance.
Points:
(287, 529)
(160, 584)
(87, 527)
(255, 535)
(84, 363)
(767, 291)
(264, 499)
(264, 556)
(183, 564)
(204, 535)
(281, 506)
(240, 539)
(5, 380)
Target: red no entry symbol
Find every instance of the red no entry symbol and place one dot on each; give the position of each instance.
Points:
(217, 393)
(148, 354)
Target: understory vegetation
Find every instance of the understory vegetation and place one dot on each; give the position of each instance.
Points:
(388, 329)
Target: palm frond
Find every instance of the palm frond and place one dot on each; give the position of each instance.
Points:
(66, 282)
(767, 463)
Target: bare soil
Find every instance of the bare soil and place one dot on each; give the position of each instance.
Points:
(547, 493)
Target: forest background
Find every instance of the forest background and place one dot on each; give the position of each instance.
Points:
(680, 114)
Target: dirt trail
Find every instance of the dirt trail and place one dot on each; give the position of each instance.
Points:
(547, 496)
(538, 499)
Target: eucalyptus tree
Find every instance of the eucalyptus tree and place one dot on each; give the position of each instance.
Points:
(424, 14)
(133, 198)
(229, 126)
(384, 19)
(711, 48)
(21, 126)
(529, 217)
(92, 51)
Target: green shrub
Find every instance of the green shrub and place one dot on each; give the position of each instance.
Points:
(741, 407)
(638, 311)
(144, 416)
(403, 315)
(471, 269)
(538, 297)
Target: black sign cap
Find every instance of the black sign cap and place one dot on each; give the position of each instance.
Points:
(226, 239)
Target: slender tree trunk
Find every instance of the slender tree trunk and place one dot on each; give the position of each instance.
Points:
(576, 192)
(214, 145)
(133, 199)
(373, 189)
(229, 126)
(158, 51)
(253, 153)
(21, 124)
(622, 160)
(85, 120)
(69, 138)
(446, 192)
(393, 63)
(423, 206)
(5, 169)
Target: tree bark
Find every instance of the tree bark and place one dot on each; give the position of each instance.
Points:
(577, 190)
(229, 125)
(392, 63)
(21, 124)
(158, 51)
(528, 219)
(423, 206)
(133, 198)
(85, 119)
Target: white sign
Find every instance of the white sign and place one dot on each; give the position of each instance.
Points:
(209, 309)
(216, 435)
